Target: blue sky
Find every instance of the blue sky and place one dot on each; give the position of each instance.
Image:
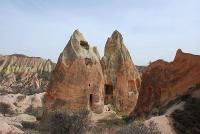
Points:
(152, 29)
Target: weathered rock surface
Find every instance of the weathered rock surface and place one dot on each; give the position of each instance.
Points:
(23, 74)
(122, 79)
(163, 123)
(18, 120)
(140, 69)
(163, 81)
(19, 103)
(9, 129)
(77, 81)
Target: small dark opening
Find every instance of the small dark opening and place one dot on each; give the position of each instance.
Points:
(1, 62)
(88, 61)
(108, 89)
(91, 100)
(89, 85)
(84, 44)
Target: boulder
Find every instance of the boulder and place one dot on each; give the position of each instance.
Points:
(18, 120)
(18, 103)
(9, 129)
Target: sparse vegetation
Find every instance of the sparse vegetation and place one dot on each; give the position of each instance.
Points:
(29, 125)
(59, 102)
(21, 98)
(187, 121)
(5, 108)
(37, 112)
(64, 122)
(139, 129)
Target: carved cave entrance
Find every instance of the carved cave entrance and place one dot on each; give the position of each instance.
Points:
(108, 94)
(91, 99)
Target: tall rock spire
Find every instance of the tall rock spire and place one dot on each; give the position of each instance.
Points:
(77, 81)
(121, 76)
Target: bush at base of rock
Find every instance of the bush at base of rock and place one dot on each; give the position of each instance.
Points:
(5, 108)
(139, 129)
(62, 122)
(187, 121)
(37, 112)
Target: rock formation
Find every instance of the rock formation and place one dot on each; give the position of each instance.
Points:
(23, 74)
(19, 103)
(163, 123)
(9, 129)
(140, 69)
(163, 81)
(122, 80)
(19, 109)
(77, 81)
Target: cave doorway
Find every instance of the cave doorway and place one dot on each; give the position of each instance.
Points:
(108, 89)
(91, 100)
(108, 94)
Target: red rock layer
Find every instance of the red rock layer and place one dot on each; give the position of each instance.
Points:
(163, 81)
(77, 81)
(121, 76)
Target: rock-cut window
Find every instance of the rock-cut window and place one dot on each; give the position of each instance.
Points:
(84, 44)
(108, 89)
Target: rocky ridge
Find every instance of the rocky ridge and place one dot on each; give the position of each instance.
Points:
(163, 82)
(23, 74)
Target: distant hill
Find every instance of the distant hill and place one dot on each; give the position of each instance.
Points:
(23, 74)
